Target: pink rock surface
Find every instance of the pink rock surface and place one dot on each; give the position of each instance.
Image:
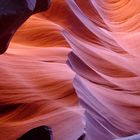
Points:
(99, 39)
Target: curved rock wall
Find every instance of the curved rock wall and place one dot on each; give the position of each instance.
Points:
(101, 40)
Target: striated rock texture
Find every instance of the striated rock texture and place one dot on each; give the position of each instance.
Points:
(106, 60)
(36, 83)
(100, 39)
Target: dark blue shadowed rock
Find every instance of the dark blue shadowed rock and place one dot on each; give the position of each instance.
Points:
(82, 137)
(13, 13)
(39, 133)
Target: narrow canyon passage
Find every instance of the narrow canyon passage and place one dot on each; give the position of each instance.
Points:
(75, 68)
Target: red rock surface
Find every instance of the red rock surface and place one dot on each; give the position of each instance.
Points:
(99, 39)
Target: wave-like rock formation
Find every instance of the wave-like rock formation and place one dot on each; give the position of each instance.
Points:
(99, 40)
(106, 65)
